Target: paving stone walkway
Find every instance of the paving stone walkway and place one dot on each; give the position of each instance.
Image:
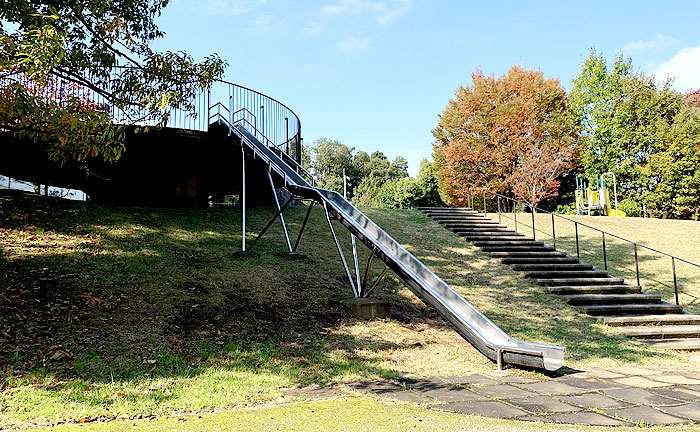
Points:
(599, 397)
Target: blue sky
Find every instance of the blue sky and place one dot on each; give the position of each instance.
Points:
(374, 74)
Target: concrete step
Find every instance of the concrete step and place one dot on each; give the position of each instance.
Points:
(650, 320)
(456, 215)
(496, 238)
(581, 281)
(541, 260)
(676, 344)
(565, 274)
(460, 216)
(446, 210)
(518, 254)
(661, 331)
(515, 248)
(565, 266)
(524, 242)
(632, 309)
(467, 222)
(487, 228)
(595, 289)
(489, 234)
(611, 299)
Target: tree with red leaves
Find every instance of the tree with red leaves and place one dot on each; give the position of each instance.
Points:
(498, 131)
(535, 178)
(692, 98)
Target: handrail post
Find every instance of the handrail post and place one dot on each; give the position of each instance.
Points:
(554, 232)
(578, 253)
(605, 254)
(498, 206)
(636, 263)
(675, 281)
(532, 212)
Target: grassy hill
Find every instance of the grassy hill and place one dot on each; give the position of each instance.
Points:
(108, 311)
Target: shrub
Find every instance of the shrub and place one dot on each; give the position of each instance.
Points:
(630, 207)
(567, 209)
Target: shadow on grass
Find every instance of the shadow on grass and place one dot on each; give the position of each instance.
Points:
(147, 308)
(528, 312)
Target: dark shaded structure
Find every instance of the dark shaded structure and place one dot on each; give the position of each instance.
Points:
(160, 167)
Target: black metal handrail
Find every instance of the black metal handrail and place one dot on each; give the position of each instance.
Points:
(603, 233)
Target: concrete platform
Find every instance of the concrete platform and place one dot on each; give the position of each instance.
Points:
(368, 308)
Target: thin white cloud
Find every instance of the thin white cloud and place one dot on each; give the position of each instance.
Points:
(383, 12)
(684, 67)
(356, 44)
(641, 46)
(233, 7)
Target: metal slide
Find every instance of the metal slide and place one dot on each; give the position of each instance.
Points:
(471, 324)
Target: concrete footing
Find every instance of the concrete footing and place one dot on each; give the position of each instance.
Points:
(368, 308)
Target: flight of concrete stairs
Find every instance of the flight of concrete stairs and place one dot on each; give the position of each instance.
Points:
(634, 312)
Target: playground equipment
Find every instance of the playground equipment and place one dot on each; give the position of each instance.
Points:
(260, 127)
(469, 322)
(596, 201)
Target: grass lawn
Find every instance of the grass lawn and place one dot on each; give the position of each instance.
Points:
(122, 311)
(676, 237)
(361, 414)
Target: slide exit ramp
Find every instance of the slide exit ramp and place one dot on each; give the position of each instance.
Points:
(469, 322)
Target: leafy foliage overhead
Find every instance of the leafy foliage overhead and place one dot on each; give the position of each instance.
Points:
(58, 56)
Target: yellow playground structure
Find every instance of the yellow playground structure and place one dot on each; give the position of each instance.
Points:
(596, 201)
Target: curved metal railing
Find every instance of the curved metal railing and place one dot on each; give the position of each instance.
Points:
(269, 119)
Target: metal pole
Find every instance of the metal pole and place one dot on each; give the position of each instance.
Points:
(498, 206)
(243, 192)
(286, 127)
(578, 254)
(675, 282)
(352, 239)
(340, 251)
(262, 121)
(303, 225)
(605, 254)
(636, 263)
(277, 202)
(369, 265)
(269, 224)
(515, 216)
(554, 233)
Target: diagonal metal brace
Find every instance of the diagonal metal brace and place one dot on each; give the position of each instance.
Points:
(281, 216)
(303, 225)
(376, 282)
(340, 251)
(269, 224)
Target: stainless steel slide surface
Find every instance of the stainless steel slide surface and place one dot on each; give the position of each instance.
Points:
(471, 324)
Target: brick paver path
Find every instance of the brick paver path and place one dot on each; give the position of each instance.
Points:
(602, 397)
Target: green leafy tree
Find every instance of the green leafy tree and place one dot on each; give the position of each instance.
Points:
(407, 191)
(642, 131)
(55, 52)
(486, 129)
(329, 157)
(379, 170)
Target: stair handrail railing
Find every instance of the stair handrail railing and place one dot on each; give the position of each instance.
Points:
(603, 233)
